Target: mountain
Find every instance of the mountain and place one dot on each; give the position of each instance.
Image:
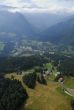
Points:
(61, 33)
(42, 21)
(18, 26)
(13, 28)
(15, 23)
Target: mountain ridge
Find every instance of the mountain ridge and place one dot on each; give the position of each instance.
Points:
(60, 33)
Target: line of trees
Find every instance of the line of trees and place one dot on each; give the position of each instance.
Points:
(30, 79)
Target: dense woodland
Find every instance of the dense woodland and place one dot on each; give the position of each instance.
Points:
(14, 64)
(64, 63)
(12, 94)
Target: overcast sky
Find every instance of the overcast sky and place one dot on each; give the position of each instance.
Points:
(39, 5)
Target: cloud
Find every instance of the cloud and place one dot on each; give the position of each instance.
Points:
(53, 6)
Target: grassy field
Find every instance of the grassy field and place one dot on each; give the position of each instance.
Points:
(48, 66)
(45, 97)
(69, 82)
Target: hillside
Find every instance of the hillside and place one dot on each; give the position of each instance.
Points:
(61, 33)
(43, 96)
(42, 21)
(49, 97)
(14, 23)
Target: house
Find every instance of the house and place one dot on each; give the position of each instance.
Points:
(61, 79)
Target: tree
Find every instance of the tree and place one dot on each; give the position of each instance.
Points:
(41, 79)
(30, 80)
(72, 104)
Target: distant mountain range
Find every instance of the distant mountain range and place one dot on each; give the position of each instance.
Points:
(15, 23)
(61, 33)
(16, 26)
(42, 21)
